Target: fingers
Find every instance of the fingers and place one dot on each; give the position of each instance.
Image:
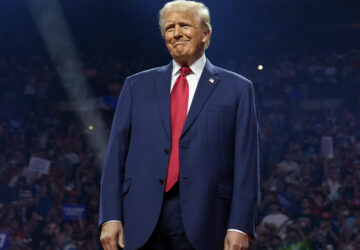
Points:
(236, 241)
(108, 241)
(234, 246)
(226, 244)
(121, 239)
(112, 234)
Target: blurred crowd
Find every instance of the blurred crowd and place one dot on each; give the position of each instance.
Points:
(310, 200)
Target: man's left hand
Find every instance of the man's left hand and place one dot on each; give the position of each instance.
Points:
(236, 241)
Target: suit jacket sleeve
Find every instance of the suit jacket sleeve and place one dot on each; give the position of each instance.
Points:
(114, 164)
(246, 192)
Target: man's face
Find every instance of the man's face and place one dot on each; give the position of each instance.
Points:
(185, 37)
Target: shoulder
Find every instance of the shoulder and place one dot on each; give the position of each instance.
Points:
(233, 78)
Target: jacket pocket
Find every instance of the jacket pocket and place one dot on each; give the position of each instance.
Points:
(224, 192)
(125, 186)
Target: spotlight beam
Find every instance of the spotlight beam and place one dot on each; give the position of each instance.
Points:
(55, 33)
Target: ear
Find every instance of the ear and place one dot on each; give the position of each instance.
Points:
(205, 35)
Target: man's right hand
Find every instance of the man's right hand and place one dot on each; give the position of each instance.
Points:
(112, 234)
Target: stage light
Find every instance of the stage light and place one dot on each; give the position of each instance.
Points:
(91, 127)
(260, 67)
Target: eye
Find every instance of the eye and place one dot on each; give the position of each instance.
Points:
(169, 28)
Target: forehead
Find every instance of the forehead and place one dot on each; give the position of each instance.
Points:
(181, 16)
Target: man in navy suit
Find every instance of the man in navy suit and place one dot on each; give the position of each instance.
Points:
(182, 165)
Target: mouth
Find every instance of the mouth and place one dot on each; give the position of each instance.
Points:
(179, 43)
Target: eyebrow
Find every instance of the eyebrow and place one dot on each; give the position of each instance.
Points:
(171, 25)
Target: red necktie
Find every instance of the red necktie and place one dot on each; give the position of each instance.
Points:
(178, 103)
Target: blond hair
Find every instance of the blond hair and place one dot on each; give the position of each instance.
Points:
(185, 6)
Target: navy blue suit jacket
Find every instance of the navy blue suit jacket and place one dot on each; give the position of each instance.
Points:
(219, 157)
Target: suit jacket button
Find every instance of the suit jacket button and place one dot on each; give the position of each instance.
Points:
(161, 181)
(166, 151)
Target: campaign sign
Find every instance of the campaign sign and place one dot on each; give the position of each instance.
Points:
(327, 147)
(39, 165)
(4, 240)
(29, 174)
(73, 212)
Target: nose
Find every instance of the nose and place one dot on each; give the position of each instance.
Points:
(177, 31)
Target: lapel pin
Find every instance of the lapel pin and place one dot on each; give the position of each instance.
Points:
(211, 80)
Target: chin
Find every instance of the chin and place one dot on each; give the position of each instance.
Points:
(182, 58)
(183, 54)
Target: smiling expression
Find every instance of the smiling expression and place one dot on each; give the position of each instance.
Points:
(185, 37)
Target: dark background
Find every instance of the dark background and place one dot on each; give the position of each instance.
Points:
(309, 88)
(240, 27)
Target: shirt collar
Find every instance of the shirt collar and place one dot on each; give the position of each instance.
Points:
(197, 67)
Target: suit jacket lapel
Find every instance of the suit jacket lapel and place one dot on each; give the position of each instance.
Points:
(207, 83)
(162, 82)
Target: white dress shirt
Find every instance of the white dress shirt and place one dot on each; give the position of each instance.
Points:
(193, 79)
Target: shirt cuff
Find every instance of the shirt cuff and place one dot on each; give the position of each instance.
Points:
(110, 221)
(239, 231)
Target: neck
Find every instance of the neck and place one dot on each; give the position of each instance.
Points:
(186, 62)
